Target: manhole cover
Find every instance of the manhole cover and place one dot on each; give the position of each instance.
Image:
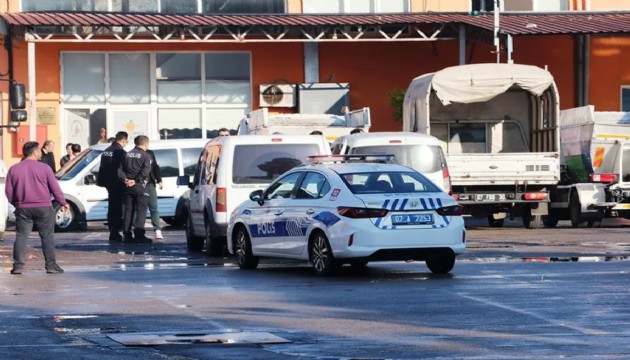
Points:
(150, 339)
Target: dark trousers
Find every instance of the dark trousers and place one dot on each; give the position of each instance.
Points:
(135, 206)
(153, 207)
(44, 219)
(115, 208)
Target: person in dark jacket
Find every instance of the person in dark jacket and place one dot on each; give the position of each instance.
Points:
(109, 178)
(155, 181)
(29, 185)
(69, 156)
(48, 157)
(136, 167)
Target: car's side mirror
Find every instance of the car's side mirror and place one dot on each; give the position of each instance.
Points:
(184, 180)
(89, 179)
(257, 196)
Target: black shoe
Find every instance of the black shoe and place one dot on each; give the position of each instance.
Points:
(54, 269)
(114, 237)
(127, 237)
(16, 271)
(142, 240)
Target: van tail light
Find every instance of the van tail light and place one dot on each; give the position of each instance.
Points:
(450, 210)
(446, 178)
(221, 200)
(603, 178)
(361, 213)
(535, 196)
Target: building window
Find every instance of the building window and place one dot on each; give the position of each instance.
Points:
(355, 6)
(243, 6)
(65, 5)
(483, 5)
(179, 6)
(625, 98)
(129, 78)
(178, 78)
(179, 123)
(83, 78)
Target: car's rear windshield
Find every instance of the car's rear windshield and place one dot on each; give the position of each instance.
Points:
(423, 158)
(261, 164)
(388, 182)
(76, 165)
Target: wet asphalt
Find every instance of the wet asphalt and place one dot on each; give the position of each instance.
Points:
(516, 294)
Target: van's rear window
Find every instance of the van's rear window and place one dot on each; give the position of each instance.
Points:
(422, 158)
(261, 164)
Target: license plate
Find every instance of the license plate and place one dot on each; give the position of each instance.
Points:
(412, 219)
(490, 197)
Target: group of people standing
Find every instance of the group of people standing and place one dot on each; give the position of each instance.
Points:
(130, 179)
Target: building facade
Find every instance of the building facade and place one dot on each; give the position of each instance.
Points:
(150, 75)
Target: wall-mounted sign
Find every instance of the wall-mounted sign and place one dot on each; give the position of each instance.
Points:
(46, 115)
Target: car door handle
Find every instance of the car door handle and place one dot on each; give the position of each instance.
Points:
(278, 212)
(310, 212)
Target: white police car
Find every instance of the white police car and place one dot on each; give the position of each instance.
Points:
(349, 213)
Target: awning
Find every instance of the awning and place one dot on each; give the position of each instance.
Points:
(141, 27)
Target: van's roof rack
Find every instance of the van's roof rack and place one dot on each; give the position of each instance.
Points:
(352, 158)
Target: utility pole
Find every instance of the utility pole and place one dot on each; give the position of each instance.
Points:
(497, 41)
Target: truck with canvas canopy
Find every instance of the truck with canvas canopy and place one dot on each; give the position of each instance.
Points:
(497, 124)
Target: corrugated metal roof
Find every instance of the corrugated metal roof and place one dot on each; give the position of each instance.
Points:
(511, 23)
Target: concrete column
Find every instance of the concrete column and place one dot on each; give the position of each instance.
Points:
(462, 45)
(32, 93)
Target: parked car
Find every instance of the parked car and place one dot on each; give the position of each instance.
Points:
(420, 152)
(349, 213)
(88, 202)
(228, 169)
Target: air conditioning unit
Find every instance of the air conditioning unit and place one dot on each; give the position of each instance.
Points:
(277, 95)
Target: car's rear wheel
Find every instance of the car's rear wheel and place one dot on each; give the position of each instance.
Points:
(575, 209)
(243, 250)
(65, 220)
(321, 255)
(214, 244)
(193, 242)
(441, 262)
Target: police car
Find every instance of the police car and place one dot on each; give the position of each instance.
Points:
(339, 211)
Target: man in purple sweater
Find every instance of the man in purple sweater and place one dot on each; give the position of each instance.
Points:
(28, 187)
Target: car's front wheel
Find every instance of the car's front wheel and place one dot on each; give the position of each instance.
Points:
(65, 220)
(243, 250)
(441, 262)
(321, 255)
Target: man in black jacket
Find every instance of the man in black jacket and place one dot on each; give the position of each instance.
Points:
(48, 157)
(136, 167)
(155, 181)
(109, 178)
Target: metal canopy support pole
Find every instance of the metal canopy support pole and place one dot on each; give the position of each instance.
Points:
(497, 41)
(510, 49)
(31, 92)
(462, 45)
(311, 62)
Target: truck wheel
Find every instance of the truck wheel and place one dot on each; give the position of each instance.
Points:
(531, 221)
(193, 242)
(575, 209)
(495, 222)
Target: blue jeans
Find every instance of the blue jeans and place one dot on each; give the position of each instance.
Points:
(153, 207)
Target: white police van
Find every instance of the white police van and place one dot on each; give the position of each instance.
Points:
(420, 152)
(88, 202)
(228, 169)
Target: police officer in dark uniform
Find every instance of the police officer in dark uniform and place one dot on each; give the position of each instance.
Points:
(136, 167)
(109, 178)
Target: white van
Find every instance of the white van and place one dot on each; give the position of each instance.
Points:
(420, 152)
(88, 201)
(228, 170)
